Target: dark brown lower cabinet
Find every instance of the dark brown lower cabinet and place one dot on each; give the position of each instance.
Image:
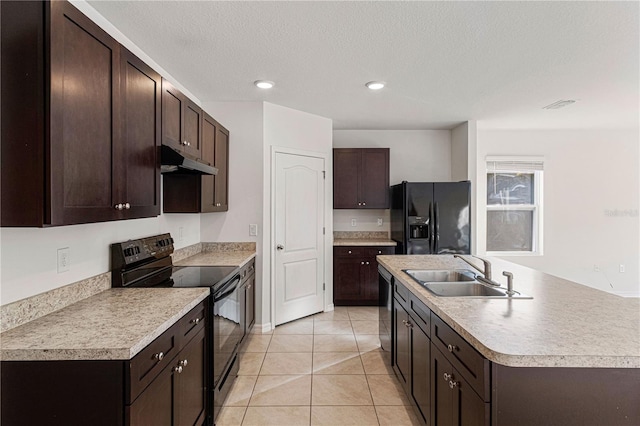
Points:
(150, 389)
(454, 402)
(355, 275)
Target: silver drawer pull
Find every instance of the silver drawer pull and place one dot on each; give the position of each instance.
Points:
(453, 384)
(452, 348)
(158, 356)
(447, 377)
(183, 363)
(195, 321)
(177, 369)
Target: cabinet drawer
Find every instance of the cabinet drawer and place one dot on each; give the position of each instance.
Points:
(401, 293)
(420, 314)
(375, 251)
(247, 270)
(348, 251)
(464, 358)
(145, 366)
(192, 323)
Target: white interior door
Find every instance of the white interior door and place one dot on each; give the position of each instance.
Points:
(298, 236)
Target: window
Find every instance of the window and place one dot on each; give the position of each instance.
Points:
(514, 205)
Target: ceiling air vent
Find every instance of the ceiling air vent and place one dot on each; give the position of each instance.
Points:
(560, 104)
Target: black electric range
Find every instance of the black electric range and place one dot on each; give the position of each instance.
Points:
(146, 262)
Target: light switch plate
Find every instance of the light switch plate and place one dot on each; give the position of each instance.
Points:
(64, 262)
(253, 229)
(353, 222)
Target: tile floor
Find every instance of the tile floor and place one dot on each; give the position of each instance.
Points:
(327, 369)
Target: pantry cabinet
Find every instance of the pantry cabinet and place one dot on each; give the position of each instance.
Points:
(80, 122)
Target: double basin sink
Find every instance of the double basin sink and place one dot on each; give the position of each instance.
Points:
(459, 283)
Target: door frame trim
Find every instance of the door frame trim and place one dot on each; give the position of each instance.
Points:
(328, 295)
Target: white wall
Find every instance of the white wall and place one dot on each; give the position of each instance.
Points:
(587, 174)
(414, 156)
(289, 128)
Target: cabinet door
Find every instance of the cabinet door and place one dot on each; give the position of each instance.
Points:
(172, 116)
(84, 118)
(192, 129)
(250, 303)
(346, 280)
(469, 409)
(401, 347)
(346, 169)
(222, 164)
(209, 129)
(420, 370)
(189, 392)
(138, 163)
(441, 395)
(154, 405)
(373, 185)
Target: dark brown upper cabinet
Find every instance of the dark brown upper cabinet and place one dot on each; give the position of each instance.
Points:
(190, 193)
(361, 178)
(80, 121)
(181, 121)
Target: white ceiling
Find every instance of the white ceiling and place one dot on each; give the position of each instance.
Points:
(444, 62)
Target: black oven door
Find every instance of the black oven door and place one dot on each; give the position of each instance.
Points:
(227, 330)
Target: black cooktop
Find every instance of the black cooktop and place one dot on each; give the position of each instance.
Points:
(201, 276)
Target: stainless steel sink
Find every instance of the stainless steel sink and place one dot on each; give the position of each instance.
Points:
(440, 276)
(471, 290)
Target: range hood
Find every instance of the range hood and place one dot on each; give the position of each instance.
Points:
(173, 161)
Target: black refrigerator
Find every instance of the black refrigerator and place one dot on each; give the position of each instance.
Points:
(431, 218)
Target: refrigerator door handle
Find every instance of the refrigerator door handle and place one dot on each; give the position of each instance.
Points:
(436, 237)
(431, 229)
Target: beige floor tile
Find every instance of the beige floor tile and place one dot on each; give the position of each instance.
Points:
(365, 327)
(291, 343)
(386, 390)
(301, 326)
(363, 313)
(340, 390)
(337, 363)
(282, 390)
(363, 415)
(277, 416)
(334, 343)
(376, 362)
(250, 363)
(241, 391)
(368, 342)
(339, 313)
(286, 363)
(397, 416)
(332, 327)
(230, 416)
(256, 343)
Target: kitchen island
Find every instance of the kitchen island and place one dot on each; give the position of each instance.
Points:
(570, 355)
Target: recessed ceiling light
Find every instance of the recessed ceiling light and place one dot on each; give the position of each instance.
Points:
(375, 85)
(264, 84)
(560, 104)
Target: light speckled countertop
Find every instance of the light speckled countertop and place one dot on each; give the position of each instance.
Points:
(565, 325)
(115, 324)
(363, 242)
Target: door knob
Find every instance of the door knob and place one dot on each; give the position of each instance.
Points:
(280, 247)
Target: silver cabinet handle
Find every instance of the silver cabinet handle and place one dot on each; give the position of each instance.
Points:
(119, 206)
(452, 348)
(447, 377)
(379, 251)
(158, 356)
(453, 384)
(249, 287)
(280, 247)
(177, 369)
(183, 363)
(195, 321)
(362, 263)
(364, 204)
(349, 251)
(127, 206)
(367, 263)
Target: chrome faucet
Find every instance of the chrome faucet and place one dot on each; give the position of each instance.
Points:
(487, 270)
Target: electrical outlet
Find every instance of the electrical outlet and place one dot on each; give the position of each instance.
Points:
(64, 262)
(379, 221)
(621, 269)
(353, 222)
(253, 229)
(596, 268)
(180, 234)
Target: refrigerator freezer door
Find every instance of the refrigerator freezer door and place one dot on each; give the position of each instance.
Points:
(452, 210)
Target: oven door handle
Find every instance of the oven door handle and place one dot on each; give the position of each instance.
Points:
(224, 292)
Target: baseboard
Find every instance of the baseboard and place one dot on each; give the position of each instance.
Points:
(329, 307)
(262, 328)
